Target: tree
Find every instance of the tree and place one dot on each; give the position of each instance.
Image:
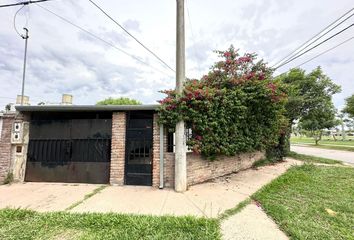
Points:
(307, 95)
(318, 119)
(119, 101)
(349, 106)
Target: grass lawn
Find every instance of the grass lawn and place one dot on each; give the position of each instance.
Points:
(24, 224)
(312, 202)
(325, 143)
(312, 159)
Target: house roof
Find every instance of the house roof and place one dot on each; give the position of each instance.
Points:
(86, 108)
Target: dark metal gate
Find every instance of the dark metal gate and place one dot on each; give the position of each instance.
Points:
(73, 148)
(138, 159)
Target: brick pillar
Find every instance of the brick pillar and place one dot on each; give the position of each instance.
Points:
(118, 148)
(5, 145)
(156, 153)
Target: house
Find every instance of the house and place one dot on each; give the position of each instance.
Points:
(121, 145)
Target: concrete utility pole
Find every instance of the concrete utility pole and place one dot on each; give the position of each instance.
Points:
(24, 65)
(180, 150)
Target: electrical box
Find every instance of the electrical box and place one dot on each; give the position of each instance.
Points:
(17, 133)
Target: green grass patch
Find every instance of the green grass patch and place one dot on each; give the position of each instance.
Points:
(232, 211)
(24, 224)
(87, 196)
(324, 141)
(346, 145)
(312, 159)
(342, 148)
(312, 202)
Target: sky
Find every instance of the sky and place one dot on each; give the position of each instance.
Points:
(64, 59)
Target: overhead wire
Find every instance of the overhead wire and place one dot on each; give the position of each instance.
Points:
(22, 3)
(192, 33)
(14, 20)
(320, 54)
(324, 52)
(327, 39)
(311, 40)
(132, 36)
(101, 39)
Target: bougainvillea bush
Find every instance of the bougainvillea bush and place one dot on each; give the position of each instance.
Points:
(235, 108)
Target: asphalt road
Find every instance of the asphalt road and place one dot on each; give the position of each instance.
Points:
(344, 156)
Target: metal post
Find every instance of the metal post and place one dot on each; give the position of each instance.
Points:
(24, 65)
(180, 152)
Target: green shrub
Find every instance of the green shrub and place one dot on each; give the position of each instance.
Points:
(236, 108)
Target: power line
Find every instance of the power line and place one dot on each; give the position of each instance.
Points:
(126, 31)
(324, 52)
(191, 28)
(297, 56)
(14, 20)
(311, 40)
(23, 3)
(101, 39)
(320, 54)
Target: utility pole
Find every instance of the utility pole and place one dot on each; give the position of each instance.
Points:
(180, 150)
(24, 64)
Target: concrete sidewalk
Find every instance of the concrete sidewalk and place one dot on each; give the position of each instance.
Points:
(203, 200)
(251, 224)
(344, 156)
(43, 197)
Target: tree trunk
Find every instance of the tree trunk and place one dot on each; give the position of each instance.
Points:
(317, 139)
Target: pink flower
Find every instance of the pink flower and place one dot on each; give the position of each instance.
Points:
(198, 137)
(227, 54)
(272, 86)
(250, 75)
(244, 59)
(261, 76)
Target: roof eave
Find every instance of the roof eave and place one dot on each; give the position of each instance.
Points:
(86, 108)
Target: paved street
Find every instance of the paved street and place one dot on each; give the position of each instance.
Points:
(345, 156)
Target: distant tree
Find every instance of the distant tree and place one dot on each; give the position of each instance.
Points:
(349, 106)
(307, 95)
(8, 107)
(119, 101)
(316, 120)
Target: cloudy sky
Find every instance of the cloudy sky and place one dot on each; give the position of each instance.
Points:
(64, 59)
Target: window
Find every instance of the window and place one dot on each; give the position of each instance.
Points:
(171, 140)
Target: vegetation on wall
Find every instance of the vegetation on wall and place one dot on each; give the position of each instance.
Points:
(119, 101)
(235, 108)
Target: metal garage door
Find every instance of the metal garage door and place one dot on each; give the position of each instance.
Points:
(69, 147)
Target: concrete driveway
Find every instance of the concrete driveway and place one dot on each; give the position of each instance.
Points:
(344, 156)
(203, 200)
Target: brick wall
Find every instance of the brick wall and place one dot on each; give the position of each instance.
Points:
(118, 148)
(156, 153)
(200, 170)
(5, 145)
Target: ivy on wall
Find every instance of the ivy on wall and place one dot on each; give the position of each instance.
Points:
(235, 108)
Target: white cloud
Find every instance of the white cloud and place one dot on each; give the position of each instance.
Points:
(63, 59)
